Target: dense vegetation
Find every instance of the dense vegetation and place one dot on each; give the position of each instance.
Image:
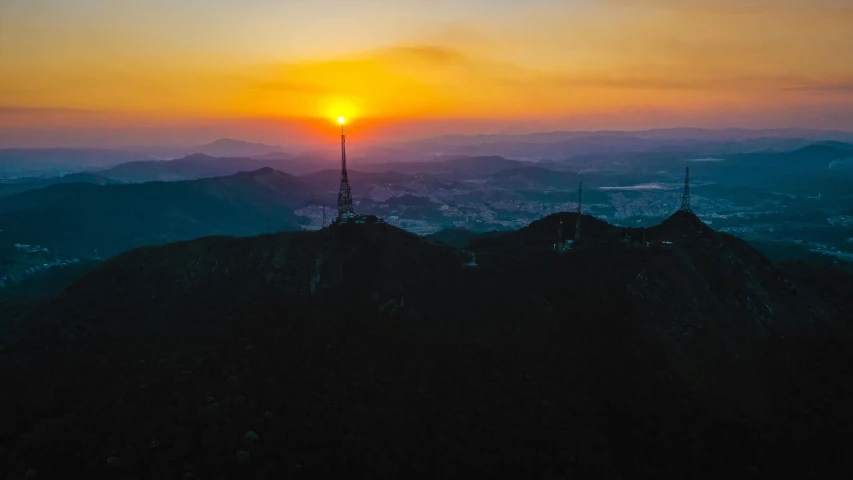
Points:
(103, 220)
(366, 351)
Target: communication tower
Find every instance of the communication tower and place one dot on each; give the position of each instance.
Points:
(345, 210)
(685, 198)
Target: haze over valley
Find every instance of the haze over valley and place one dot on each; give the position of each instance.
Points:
(787, 196)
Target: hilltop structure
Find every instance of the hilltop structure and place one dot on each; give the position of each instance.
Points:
(561, 245)
(685, 198)
(345, 210)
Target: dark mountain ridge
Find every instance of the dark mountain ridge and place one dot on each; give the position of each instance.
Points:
(19, 185)
(83, 218)
(732, 134)
(227, 147)
(366, 350)
(191, 167)
(816, 157)
(38, 161)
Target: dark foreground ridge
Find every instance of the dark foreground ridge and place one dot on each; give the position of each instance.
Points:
(365, 351)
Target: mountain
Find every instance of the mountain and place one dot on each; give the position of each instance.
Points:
(569, 145)
(815, 157)
(698, 134)
(198, 165)
(18, 185)
(86, 219)
(818, 167)
(299, 163)
(190, 167)
(16, 162)
(459, 237)
(364, 351)
(226, 147)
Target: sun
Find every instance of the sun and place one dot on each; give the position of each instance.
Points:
(341, 120)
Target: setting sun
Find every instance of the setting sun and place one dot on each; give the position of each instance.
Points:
(341, 120)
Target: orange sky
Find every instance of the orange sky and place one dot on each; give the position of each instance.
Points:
(157, 71)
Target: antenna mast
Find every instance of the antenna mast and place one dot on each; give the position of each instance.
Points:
(345, 210)
(685, 198)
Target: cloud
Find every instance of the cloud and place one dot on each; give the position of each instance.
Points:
(18, 110)
(430, 54)
(829, 88)
(284, 85)
(734, 6)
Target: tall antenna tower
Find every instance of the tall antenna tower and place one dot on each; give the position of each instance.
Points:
(345, 210)
(685, 198)
(580, 212)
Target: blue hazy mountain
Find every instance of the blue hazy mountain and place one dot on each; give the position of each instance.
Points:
(22, 162)
(564, 145)
(227, 147)
(205, 166)
(18, 185)
(85, 218)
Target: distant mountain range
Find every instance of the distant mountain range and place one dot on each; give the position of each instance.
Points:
(550, 146)
(204, 166)
(18, 185)
(21, 162)
(566, 145)
(697, 134)
(818, 156)
(81, 218)
(226, 147)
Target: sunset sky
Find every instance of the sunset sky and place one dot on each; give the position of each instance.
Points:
(117, 72)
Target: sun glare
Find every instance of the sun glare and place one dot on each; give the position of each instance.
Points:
(341, 120)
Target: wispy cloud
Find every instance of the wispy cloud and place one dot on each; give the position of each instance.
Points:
(18, 110)
(291, 86)
(734, 6)
(828, 88)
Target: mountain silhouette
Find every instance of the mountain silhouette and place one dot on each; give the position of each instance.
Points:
(364, 350)
(19, 185)
(227, 147)
(191, 167)
(82, 218)
(815, 157)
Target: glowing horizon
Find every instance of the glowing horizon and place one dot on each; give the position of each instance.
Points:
(108, 70)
